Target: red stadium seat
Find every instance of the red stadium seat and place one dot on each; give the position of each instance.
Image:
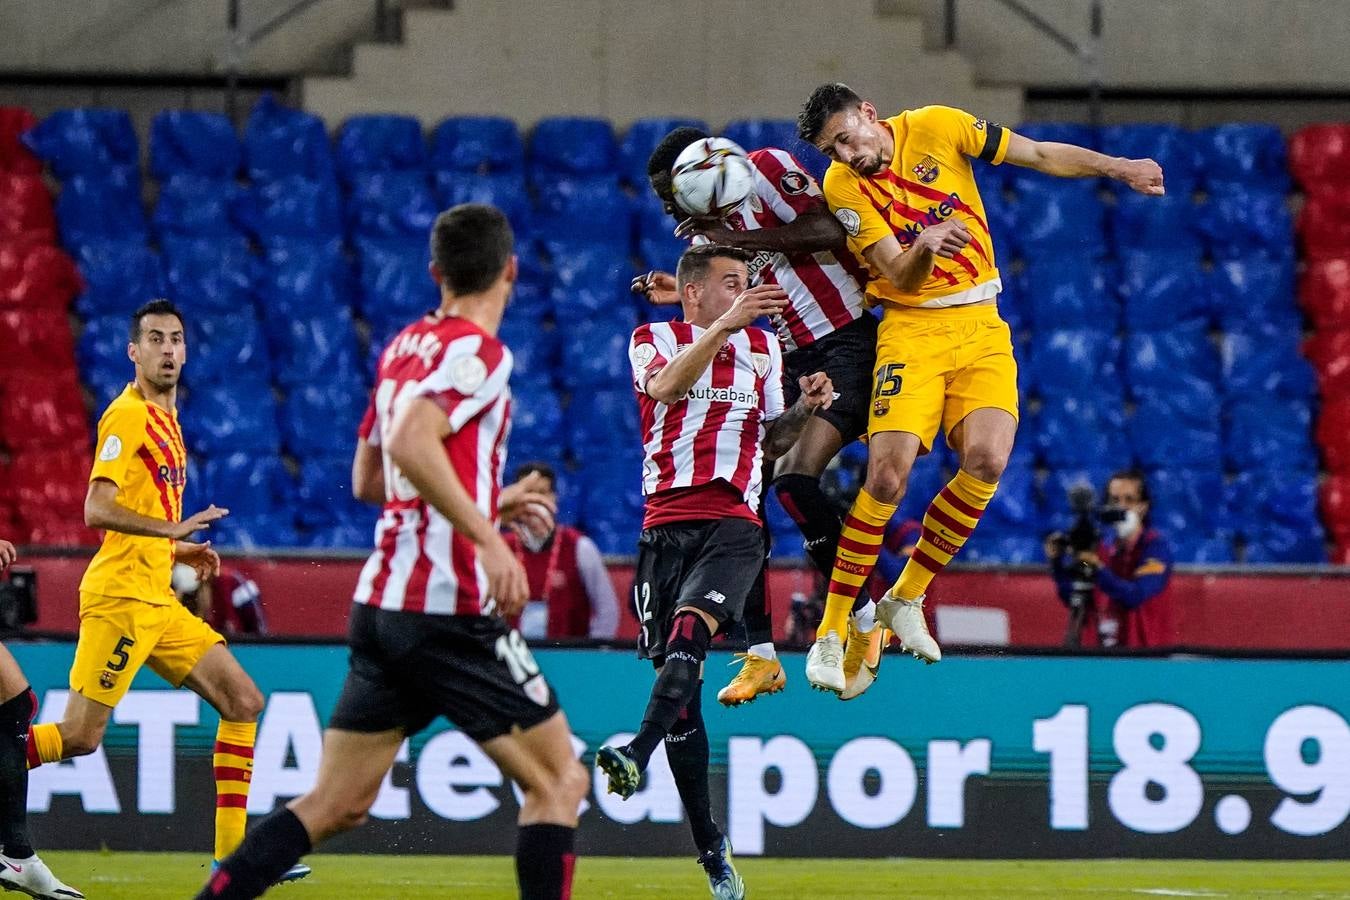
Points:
(1329, 352)
(1340, 556)
(14, 156)
(1333, 435)
(42, 411)
(37, 276)
(1324, 291)
(1335, 498)
(62, 533)
(1324, 223)
(26, 210)
(1320, 154)
(49, 485)
(36, 340)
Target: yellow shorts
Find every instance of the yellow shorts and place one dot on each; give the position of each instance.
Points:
(935, 367)
(119, 635)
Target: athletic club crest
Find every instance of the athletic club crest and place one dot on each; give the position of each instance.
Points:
(761, 363)
(927, 170)
(537, 690)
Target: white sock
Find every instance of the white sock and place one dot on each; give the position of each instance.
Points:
(764, 651)
(867, 616)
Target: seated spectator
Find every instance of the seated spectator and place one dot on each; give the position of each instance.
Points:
(1130, 572)
(571, 595)
(231, 602)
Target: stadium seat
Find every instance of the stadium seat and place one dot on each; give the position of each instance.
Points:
(396, 204)
(107, 205)
(380, 144)
(117, 276)
(15, 158)
(1174, 148)
(25, 210)
(1175, 430)
(504, 190)
(534, 345)
(1001, 210)
(572, 146)
(1073, 432)
(321, 418)
(658, 247)
(1161, 289)
(280, 142)
(598, 265)
(84, 142)
(480, 145)
(1167, 223)
(318, 346)
(1334, 494)
(1242, 221)
(36, 277)
(1263, 432)
(222, 345)
(256, 533)
(926, 478)
(1324, 223)
(1329, 352)
(1251, 154)
(395, 286)
(595, 352)
(593, 208)
(36, 340)
(196, 206)
(238, 417)
(1276, 514)
(603, 421)
(1319, 156)
(1061, 218)
(996, 546)
(537, 418)
(192, 142)
(102, 346)
(1178, 361)
(756, 134)
(292, 206)
(1014, 507)
(1266, 362)
(1255, 291)
(1074, 361)
(42, 409)
(784, 537)
(1333, 433)
(1324, 291)
(248, 484)
(531, 301)
(1202, 549)
(1188, 501)
(302, 278)
(1023, 181)
(639, 142)
(42, 487)
(1070, 292)
(210, 274)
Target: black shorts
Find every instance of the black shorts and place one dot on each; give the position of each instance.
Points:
(849, 357)
(408, 668)
(711, 565)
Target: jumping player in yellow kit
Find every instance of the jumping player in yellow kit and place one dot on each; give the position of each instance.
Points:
(129, 615)
(904, 190)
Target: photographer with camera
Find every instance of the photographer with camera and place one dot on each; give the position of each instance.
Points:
(1115, 586)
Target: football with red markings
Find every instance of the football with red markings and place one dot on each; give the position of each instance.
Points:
(711, 177)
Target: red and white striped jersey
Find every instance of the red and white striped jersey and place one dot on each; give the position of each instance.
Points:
(716, 431)
(824, 289)
(420, 563)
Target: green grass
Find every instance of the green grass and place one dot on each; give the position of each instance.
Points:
(151, 876)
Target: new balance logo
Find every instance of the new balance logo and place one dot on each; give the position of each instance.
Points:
(715, 597)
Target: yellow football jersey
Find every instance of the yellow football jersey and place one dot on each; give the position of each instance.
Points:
(141, 450)
(928, 181)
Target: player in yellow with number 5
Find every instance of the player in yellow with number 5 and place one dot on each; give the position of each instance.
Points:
(129, 615)
(904, 190)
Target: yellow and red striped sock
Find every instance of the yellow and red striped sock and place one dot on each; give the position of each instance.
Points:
(950, 519)
(859, 544)
(44, 744)
(233, 761)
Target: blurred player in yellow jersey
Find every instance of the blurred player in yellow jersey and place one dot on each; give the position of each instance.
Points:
(129, 615)
(904, 191)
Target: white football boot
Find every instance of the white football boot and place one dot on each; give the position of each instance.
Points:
(905, 618)
(32, 877)
(825, 663)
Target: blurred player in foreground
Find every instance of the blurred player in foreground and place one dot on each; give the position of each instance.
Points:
(795, 243)
(710, 391)
(129, 614)
(426, 631)
(20, 868)
(904, 190)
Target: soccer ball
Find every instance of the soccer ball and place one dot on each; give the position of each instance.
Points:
(711, 177)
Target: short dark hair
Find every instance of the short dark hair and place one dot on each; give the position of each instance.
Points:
(824, 102)
(159, 307)
(470, 245)
(1138, 477)
(663, 157)
(542, 468)
(696, 261)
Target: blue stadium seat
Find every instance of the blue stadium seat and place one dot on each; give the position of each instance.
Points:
(1162, 288)
(1264, 432)
(192, 142)
(531, 301)
(292, 206)
(1073, 432)
(1027, 180)
(395, 286)
(1243, 153)
(85, 142)
(1073, 361)
(106, 205)
(1266, 361)
(196, 206)
(1242, 222)
(1174, 148)
(1070, 292)
(612, 492)
(222, 345)
(256, 533)
(247, 484)
(756, 134)
(1014, 307)
(603, 421)
(237, 417)
(595, 352)
(477, 144)
(101, 350)
(1156, 224)
(1001, 211)
(1014, 507)
(280, 142)
(536, 419)
(1058, 219)
(343, 536)
(320, 346)
(1180, 360)
(504, 190)
(1202, 550)
(639, 142)
(1276, 514)
(658, 247)
(380, 144)
(118, 276)
(1175, 429)
(581, 264)
(321, 418)
(391, 205)
(534, 345)
(1254, 292)
(594, 208)
(215, 274)
(994, 546)
(305, 278)
(572, 146)
(1189, 501)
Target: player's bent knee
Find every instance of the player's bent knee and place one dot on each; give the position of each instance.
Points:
(244, 704)
(985, 463)
(887, 484)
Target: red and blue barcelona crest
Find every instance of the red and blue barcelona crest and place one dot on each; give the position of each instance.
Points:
(927, 170)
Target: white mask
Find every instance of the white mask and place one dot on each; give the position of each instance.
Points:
(1127, 527)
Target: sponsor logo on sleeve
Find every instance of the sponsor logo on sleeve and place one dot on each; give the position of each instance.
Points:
(794, 183)
(112, 448)
(850, 219)
(467, 373)
(643, 355)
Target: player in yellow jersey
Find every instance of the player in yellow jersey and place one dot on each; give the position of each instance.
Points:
(905, 192)
(129, 615)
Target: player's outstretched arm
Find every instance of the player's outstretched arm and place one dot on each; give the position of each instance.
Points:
(817, 393)
(811, 232)
(416, 446)
(101, 510)
(1070, 161)
(678, 376)
(368, 474)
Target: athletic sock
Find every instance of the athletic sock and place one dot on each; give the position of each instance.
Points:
(811, 509)
(949, 521)
(233, 761)
(545, 861)
(866, 615)
(763, 651)
(44, 744)
(271, 848)
(677, 681)
(687, 753)
(15, 715)
(859, 545)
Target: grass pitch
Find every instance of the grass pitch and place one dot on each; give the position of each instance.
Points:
(160, 876)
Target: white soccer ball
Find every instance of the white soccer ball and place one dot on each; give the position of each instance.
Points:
(711, 177)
